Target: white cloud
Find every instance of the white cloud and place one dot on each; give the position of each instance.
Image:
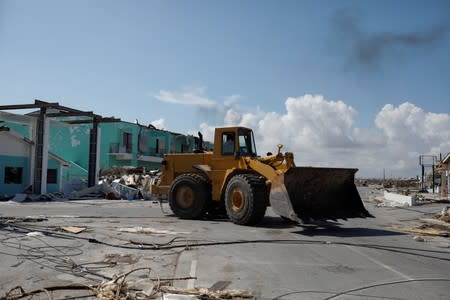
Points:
(321, 132)
(231, 99)
(194, 96)
(158, 123)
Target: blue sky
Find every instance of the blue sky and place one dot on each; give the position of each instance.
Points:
(189, 65)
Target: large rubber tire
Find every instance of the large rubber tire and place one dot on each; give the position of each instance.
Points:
(189, 196)
(246, 199)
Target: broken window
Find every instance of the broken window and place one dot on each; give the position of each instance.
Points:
(13, 175)
(51, 176)
(127, 142)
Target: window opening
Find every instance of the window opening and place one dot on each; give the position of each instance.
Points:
(52, 176)
(13, 175)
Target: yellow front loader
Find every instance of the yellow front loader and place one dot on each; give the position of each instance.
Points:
(233, 177)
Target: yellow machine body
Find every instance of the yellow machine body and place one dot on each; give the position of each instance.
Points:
(246, 183)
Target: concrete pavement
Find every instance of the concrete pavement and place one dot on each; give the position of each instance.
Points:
(360, 258)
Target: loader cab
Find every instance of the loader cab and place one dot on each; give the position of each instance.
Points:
(235, 141)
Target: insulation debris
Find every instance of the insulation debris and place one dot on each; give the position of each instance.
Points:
(35, 234)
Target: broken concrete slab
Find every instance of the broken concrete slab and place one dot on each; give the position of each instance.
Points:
(397, 199)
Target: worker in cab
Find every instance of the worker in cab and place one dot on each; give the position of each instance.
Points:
(228, 143)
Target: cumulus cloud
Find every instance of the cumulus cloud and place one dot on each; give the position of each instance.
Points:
(231, 99)
(158, 123)
(321, 132)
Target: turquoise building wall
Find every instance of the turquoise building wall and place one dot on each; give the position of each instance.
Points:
(24, 163)
(71, 143)
(14, 161)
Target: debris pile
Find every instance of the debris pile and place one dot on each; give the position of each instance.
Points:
(113, 186)
(444, 215)
(131, 186)
(142, 287)
(208, 293)
(424, 229)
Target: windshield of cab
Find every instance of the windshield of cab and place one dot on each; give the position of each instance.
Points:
(246, 143)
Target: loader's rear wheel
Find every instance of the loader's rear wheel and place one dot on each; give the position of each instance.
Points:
(246, 199)
(189, 195)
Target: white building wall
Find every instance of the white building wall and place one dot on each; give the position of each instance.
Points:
(12, 146)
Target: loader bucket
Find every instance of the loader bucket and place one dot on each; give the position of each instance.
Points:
(306, 193)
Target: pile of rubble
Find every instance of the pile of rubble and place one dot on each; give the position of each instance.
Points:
(128, 187)
(112, 186)
(444, 215)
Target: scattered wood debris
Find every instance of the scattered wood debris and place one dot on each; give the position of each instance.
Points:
(199, 291)
(425, 229)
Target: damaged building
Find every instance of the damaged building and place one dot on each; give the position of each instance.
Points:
(58, 149)
(443, 169)
(16, 159)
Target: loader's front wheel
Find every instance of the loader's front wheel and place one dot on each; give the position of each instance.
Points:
(246, 199)
(189, 196)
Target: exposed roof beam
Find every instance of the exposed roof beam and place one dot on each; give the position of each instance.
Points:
(100, 120)
(56, 106)
(41, 103)
(71, 114)
(64, 111)
(109, 119)
(18, 106)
